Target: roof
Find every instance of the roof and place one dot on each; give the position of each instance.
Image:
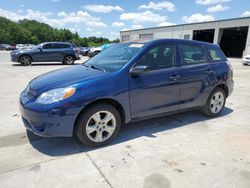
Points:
(57, 42)
(231, 19)
(168, 40)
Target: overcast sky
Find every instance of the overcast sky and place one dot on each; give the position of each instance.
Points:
(106, 18)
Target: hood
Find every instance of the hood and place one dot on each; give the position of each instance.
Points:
(64, 77)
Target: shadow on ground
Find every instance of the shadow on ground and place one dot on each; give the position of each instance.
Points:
(147, 128)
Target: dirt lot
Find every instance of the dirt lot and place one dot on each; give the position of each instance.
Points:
(184, 150)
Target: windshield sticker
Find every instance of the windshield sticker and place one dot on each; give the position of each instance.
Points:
(136, 45)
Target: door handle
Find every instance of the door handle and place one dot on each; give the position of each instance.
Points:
(175, 77)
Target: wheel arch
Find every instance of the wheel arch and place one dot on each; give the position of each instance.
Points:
(25, 55)
(112, 102)
(69, 55)
(222, 86)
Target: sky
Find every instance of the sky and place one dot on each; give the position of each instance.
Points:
(105, 18)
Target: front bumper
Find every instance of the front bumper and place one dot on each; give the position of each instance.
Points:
(48, 120)
(14, 57)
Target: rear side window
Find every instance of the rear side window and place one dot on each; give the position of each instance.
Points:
(215, 54)
(57, 45)
(192, 54)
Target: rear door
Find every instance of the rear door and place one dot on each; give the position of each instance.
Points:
(197, 73)
(60, 50)
(158, 90)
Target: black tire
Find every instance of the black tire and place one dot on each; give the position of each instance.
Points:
(25, 60)
(208, 108)
(86, 116)
(68, 60)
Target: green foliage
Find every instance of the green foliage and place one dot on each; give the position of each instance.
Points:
(33, 32)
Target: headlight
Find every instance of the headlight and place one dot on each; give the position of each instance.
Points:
(55, 95)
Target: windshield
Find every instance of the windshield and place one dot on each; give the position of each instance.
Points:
(114, 57)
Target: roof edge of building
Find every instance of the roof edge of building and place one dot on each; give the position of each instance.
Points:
(177, 25)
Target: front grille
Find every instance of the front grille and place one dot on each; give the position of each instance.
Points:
(30, 92)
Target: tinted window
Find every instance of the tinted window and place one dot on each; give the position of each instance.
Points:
(47, 46)
(58, 45)
(215, 54)
(192, 54)
(159, 57)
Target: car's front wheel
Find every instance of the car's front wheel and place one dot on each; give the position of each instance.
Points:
(215, 103)
(25, 60)
(68, 60)
(98, 125)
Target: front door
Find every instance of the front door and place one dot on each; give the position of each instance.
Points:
(46, 54)
(158, 90)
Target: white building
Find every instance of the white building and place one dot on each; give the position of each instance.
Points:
(232, 34)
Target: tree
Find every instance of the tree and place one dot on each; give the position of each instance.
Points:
(31, 31)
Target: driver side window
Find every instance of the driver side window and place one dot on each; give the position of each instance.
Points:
(47, 46)
(159, 57)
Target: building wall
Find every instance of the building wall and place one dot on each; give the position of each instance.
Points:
(185, 30)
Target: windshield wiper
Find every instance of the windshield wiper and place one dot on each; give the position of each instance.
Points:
(95, 67)
(98, 68)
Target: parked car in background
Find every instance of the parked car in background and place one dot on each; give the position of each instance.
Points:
(95, 50)
(6, 47)
(128, 82)
(246, 60)
(20, 46)
(47, 52)
(24, 46)
(84, 51)
(29, 45)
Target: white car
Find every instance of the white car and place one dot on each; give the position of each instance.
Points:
(246, 60)
(20, 46)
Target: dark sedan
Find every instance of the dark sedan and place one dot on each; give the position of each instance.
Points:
(84, 51)
(63, 52)
(6, 47)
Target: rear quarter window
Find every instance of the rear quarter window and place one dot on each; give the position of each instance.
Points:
(215, 54)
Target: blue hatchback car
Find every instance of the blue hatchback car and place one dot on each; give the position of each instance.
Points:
(128, 82)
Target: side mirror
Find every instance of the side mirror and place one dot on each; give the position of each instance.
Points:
(40, 49)
(137, 70)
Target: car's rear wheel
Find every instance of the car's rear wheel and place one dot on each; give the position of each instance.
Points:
(68, 60)
(98, 125)
(215, 102)
(25, 60)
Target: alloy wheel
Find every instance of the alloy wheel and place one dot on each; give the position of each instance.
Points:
(101, 126)
(69, 60)
(25, 60)
(217, 102)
